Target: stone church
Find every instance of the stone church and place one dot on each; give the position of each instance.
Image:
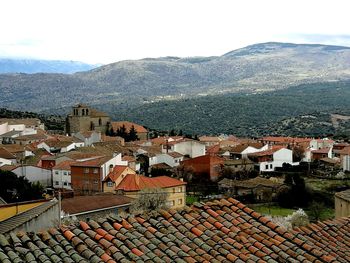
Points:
(84, 118)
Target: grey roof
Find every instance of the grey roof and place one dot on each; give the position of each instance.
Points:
(10, 134)
(11, 223)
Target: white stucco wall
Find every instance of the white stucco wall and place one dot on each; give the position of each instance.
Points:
(61, 179)
(346, 163)
(191, 148)
(35, 174)
(6, 162)
(3, 128)
(116, 160)
(165, 158)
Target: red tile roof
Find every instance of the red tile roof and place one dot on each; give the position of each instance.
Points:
(135, 182)
(116, 172)
(118, 124)
(65, 165)
(218, 231)
(96, 162)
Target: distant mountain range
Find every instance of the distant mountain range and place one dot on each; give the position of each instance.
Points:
(30, 66)
(253, 69)
(172, 92)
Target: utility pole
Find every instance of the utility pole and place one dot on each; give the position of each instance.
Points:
(59, 208)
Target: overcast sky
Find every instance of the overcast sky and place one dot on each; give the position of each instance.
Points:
(101, 31)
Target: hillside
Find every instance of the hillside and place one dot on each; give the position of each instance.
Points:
(30, 66)
(303, 110)
(253, 69)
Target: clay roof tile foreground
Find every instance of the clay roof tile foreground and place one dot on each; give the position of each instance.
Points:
(218, 231)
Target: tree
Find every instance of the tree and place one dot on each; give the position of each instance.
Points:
(17, 189)
(121, 132)
(298, 153)
(132, 136)
(150, 199)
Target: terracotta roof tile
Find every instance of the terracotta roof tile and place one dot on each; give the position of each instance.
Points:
(220, 231)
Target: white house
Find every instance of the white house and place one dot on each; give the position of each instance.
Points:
(88, 137)
(35, 174)
(55, 146)
(188, 147)
(270, 159)
(61, 175)
(172, 159)
(346, 163)
(316, 144)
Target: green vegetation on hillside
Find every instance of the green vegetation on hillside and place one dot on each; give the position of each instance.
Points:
(303, 110)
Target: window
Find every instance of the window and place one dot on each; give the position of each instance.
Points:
(266, 166)
(86, 170)
(95, 182)
(176, 160)
(56, 172)
(65, 173)
(173, 203)
(110, 184)
(65, 183)
(174, 190)
(179, 201)
(180, 189)
(95, 170)
(271, 166)
(57, 183)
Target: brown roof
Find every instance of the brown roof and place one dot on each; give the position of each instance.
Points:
(135, 182)
(8, 167)
(26, 122)
(323, 150)
(218, 231)
(175, 154)
(96, 162)
(241, 147)
(14, 148)
(80, 204)
(266, 152)
(6, 154)
(210, 139)
(118, 124)
(65, 165)
(128, 158)
(31, 137)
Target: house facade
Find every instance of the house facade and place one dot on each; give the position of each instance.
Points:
(87, 176)
(185, 147)
(269, 160)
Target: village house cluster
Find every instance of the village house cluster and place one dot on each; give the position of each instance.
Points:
(99, 176)
(86, 164)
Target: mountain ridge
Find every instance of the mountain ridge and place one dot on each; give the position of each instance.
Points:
(275, 66)
(31, 66)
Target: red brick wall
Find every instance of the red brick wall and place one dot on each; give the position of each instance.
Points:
(208, 165)
(48, 164)
(85, 179)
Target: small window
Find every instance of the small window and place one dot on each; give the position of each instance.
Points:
(95, 182)
(271, 166)
(173, 203)
(65, 183)
(179, 201)
(86, 170)
(174, 190)
(180, 189)
(95, 170)
(56, 172)
(57, 183)
(266, 166)
(65, 173)
(110, 184)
